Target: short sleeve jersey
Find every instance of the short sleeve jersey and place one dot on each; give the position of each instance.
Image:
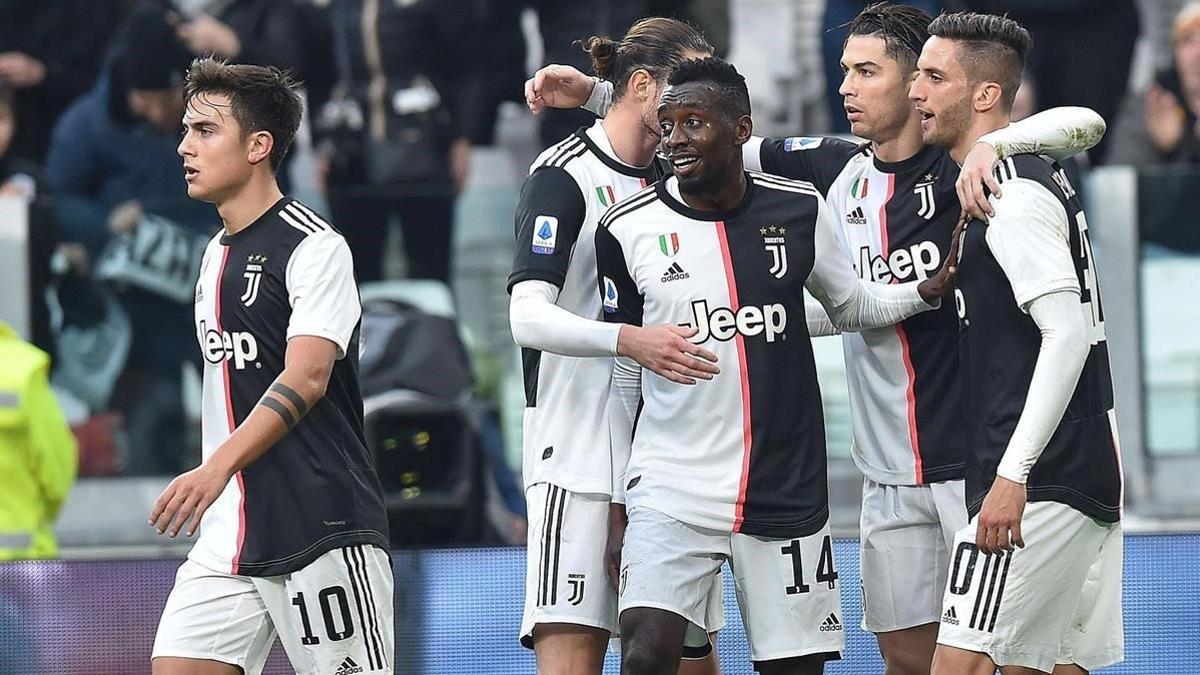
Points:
(569, 187)
(744, 452)
(288, 274)
(895, 221)
(1037, 244)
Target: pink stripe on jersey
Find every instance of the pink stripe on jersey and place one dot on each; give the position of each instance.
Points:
(910, 393)
(747, 435)
(241, 537)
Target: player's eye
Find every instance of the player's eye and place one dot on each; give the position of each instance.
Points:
(664, 127)
(693, 122)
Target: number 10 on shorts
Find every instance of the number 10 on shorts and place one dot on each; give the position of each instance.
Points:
(825, 569)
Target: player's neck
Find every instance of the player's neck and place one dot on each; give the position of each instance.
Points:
(627, 135)
(728, 193)
(980, 125)
(255, 198)
(903, 145)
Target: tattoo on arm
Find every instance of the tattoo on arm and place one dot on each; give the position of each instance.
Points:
(274, 404)
(291, 395)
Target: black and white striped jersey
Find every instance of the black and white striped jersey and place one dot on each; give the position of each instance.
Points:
(1041, 247)
(289, 273)
(895, 221)
(744, 452)
(569, 187)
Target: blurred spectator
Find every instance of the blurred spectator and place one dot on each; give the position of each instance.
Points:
(499, 36)
(396, 138)
(113, 169)
(18, 177)
(37, 452)
(834, 32)
(710, 17)
(1160, 125)
(49, 54)
(1082, 51)
(562, 24)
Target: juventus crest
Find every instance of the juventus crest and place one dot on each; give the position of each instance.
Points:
(924, 190)
(774, 243)
(253, 276)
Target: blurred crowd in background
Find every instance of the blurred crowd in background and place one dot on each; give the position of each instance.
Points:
(403, 99)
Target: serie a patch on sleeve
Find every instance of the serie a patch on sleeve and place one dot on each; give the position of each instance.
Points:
(610, 296)
(801, 143)
(545, 233)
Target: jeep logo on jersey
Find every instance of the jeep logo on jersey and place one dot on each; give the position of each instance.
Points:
(723, 323)
(775, 243)
(904, 264)
(238, 346)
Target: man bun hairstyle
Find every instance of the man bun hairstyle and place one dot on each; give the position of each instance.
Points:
(903, 29)
(991, 48)
(261, 98)
(655, 44)
(722, 76)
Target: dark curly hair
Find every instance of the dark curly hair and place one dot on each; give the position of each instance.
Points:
(722, 76)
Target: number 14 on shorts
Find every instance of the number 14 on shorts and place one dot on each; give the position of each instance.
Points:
(825, 572)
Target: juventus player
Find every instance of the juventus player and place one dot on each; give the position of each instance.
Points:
(733, 469)
(572, 485)
(897, 203)
(293, 534)
(1033, 587)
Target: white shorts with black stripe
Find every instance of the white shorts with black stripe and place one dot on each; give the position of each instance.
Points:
(565, 577)
(1057, 600)
(333, 616)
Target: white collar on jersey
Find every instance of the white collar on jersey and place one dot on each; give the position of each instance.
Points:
(600, 137)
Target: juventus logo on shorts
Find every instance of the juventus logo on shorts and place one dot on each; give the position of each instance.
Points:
(924, 190)
(253, 275)
(576, 582)
(774, 243)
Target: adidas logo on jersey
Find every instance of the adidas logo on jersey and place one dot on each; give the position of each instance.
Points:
(723, 323)
(348, 667)
(856, 217)
(916, 262)
(674, 273)
(240, 347)
(831, 624)
(950, 617)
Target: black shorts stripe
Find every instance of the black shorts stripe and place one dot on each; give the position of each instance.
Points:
(987, 564)
(991, 590)
(562, 505)
(1000, 592)
(359, 555)
(547, 534)
(358, 603)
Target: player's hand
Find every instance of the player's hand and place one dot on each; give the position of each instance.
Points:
(999, 521)
(976, 174)
(617, 520)
(942, 284)
(556, 86)
(666, 351)
(186, 499)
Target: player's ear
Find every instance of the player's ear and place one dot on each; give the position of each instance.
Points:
(743, 130)
(987, 96)
(260, 145)
(641, 83)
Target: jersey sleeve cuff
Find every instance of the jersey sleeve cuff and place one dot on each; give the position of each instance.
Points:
(556, 278)
(1026, 296)
(316, 331)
